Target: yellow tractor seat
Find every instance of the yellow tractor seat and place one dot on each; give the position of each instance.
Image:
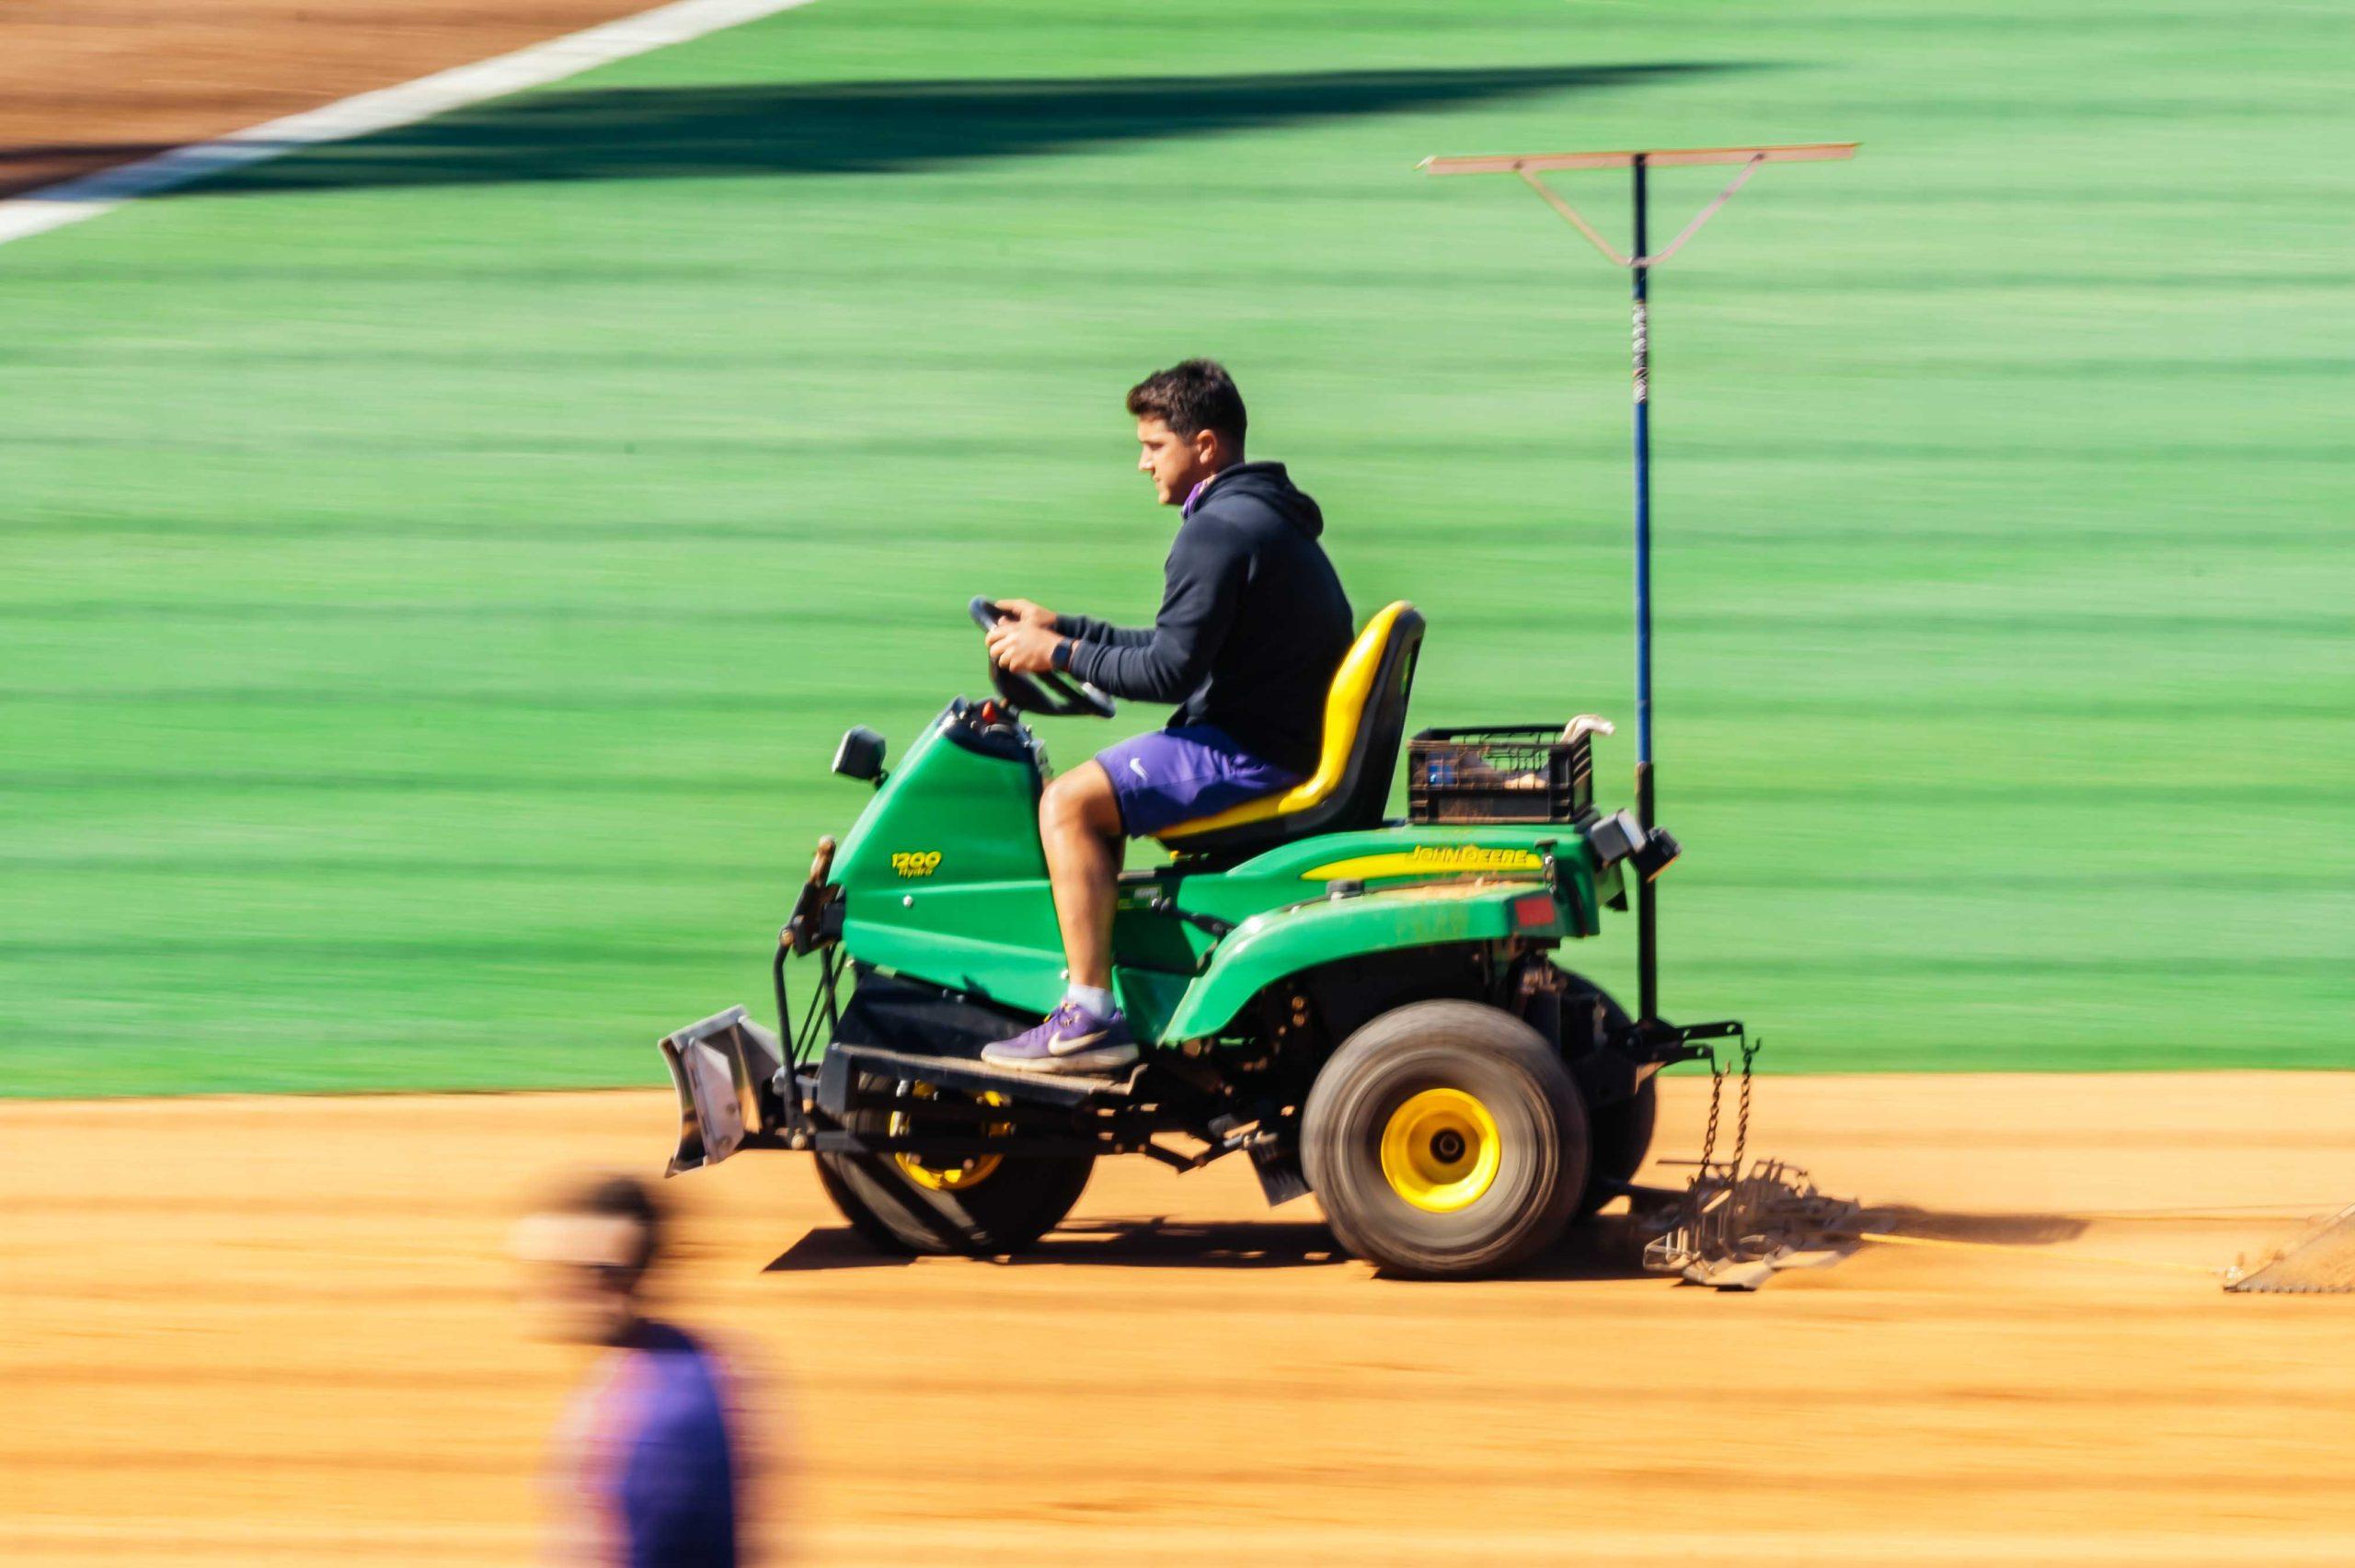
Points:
(1365, 717)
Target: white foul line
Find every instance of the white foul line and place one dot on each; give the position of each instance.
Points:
(55, 206)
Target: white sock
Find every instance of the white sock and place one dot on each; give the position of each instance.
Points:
(1096, 999)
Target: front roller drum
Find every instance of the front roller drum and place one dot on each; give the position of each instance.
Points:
(1446, 1140)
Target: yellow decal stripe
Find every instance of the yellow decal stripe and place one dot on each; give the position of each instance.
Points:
(1452, 861)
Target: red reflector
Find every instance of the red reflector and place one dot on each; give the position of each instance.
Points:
(1532, 910)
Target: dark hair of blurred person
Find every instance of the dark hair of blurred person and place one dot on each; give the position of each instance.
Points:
(648, 1468)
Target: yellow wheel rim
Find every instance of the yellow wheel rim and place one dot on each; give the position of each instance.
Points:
(963, 1176)
(1440, 1150)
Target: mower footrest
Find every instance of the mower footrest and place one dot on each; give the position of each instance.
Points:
(844, 1065)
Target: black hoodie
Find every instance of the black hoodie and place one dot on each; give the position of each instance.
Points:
(1253, 621)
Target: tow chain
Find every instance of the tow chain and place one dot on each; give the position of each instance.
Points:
(1741, 1126)
(1717, 1094)
(1717, 1073)
(1735, 1225)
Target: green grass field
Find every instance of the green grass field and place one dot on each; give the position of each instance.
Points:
(435, 571)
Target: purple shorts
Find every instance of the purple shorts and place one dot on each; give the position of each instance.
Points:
(1175, 775)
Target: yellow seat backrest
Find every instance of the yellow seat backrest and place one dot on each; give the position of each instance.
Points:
(1347, 702)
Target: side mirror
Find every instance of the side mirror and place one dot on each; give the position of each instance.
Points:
(860, 756)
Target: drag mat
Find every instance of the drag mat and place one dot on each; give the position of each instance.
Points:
(280, 1331)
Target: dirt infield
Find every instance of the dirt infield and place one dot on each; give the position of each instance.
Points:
(280, 1330)
(89, 83)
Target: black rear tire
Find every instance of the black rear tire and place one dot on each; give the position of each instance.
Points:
(1019, 1200)
(1622, 1136)
(1445, 1141)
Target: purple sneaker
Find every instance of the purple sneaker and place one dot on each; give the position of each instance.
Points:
(1069, 1039)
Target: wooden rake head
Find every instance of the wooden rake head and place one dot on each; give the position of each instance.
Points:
(1529, 166)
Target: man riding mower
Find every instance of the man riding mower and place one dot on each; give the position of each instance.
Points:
(1252, 625)
(1368, 1008)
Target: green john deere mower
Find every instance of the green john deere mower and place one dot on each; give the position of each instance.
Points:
(1371, 1010)
(1368, 1009)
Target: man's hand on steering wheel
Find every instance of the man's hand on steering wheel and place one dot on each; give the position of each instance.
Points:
(1028, 613)
(1024, 647)
(1022, 639)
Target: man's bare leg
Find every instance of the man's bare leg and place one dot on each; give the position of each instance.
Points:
(1079, 827)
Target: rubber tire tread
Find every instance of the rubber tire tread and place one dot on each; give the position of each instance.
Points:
(1020, 1202)
(1510, 1068)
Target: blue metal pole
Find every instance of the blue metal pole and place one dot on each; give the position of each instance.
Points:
(1641, 273)
(1646, 912)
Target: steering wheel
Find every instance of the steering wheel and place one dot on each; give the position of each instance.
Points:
(1049, 693)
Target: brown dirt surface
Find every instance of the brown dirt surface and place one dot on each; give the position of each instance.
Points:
(89, 83)
(260, 1330)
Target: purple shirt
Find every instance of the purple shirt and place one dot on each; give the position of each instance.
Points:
(1196, 494)
(649, 1463)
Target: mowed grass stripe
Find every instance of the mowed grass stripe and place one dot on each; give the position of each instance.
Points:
(438, 571)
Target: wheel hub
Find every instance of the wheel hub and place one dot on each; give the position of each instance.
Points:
(963, 1176)
(1441, 1151)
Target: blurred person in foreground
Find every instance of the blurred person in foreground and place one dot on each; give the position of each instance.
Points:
(650, 1466)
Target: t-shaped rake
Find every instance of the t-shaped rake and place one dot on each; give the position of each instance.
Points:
(1529, 166)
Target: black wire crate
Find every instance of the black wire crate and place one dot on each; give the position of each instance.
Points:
(1510, 773)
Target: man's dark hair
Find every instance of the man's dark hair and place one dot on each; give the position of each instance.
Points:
(622, 1197)
(1191, 397)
